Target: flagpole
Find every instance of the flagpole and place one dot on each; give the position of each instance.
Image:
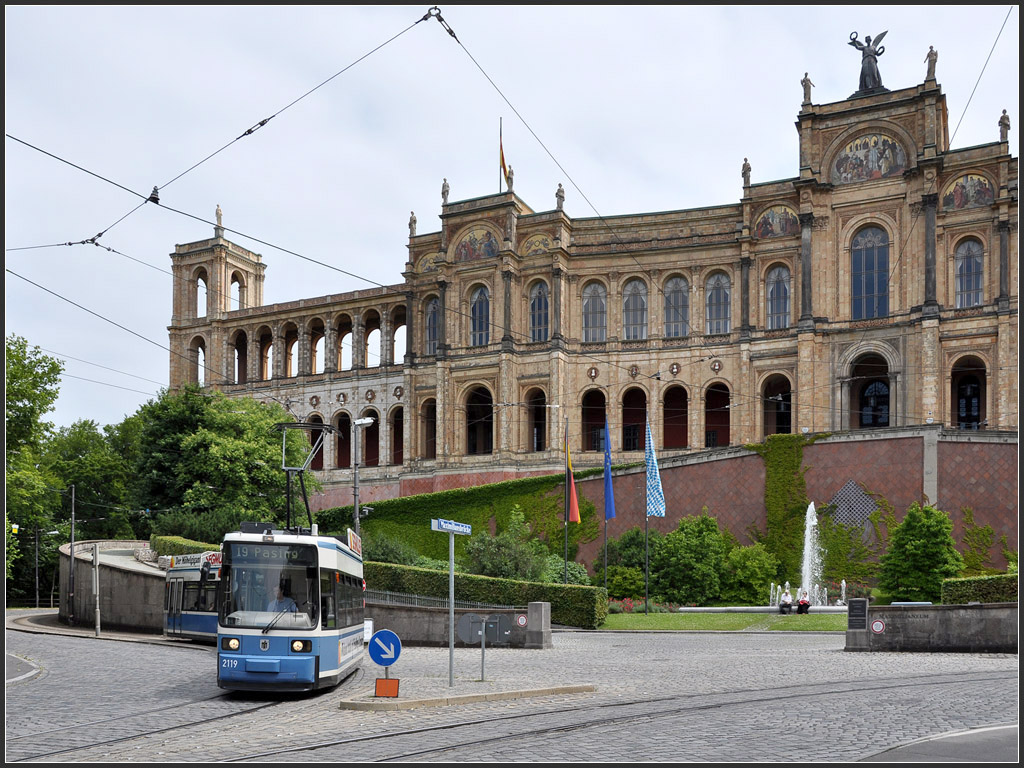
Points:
(566, 557)
(647, 564)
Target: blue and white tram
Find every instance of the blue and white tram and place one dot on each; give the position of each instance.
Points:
(291, 609)
(190, 592)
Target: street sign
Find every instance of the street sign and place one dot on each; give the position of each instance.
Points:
(384, 647)
(521, 619)
(450, 526)
(878, 626)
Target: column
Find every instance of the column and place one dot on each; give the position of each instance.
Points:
(506, 336)
(931, 305)
(1004, 265)
(442, 320)
(745, 297)
(806, 305)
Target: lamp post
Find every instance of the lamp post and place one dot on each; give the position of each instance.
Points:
(364, 422)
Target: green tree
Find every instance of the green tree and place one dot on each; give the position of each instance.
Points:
(206, 462)
(689, 563)
(921, 553)
(10, 548)
(81, 455)
(747, 575)
(511, 554)
(32, 385)
(33, 500)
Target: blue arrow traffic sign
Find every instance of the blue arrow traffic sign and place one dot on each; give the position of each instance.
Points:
(385, 647)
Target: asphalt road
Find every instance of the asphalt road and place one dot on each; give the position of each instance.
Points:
(665, 697)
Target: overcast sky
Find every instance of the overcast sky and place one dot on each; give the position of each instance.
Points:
(634, 109)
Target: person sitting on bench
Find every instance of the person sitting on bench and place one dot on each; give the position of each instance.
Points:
(804, 606)
(786, 602)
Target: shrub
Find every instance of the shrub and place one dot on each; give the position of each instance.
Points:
(511, 554)
(688, 565)
(748, 573)
(921, 553)
(382, 548)
(556, 569)
(623, 581)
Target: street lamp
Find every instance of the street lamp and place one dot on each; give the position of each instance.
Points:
(364, 422)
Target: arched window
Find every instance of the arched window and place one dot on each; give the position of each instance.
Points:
(480, 317)
(968, 274)
(717, 302)
(432, 320)
(677, 308)
(777, 293)
(539, 312)
(634, 310)
(870, 274)
(874, 405)
(595, 312)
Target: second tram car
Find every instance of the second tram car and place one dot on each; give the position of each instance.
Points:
(291, 609)
(190, 592)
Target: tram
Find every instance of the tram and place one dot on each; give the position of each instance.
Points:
(290, 609)
(190, 597)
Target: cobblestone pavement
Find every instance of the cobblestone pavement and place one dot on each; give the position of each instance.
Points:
(659, 697)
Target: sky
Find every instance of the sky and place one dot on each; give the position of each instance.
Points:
(631, 108)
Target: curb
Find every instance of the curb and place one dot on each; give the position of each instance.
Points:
(469, 698)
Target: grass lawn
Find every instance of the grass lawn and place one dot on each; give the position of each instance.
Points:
(726, 622)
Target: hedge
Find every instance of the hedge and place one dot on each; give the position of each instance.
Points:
(176, 545)
(572, 605)
(980, 589)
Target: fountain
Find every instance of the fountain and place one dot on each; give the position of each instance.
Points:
(810, 569)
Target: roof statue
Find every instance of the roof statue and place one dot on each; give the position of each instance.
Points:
(870, 50)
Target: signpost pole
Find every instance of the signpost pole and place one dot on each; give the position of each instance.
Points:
(451, 609)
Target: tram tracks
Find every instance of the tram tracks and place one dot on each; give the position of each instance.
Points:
(114, 730)
(461, 735)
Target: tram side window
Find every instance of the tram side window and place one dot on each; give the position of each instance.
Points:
(190, 600)
(327, 600)
(208, 598)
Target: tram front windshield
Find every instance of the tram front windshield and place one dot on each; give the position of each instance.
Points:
(269, 586)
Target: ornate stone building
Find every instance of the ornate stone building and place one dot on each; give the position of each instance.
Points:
(875, 289)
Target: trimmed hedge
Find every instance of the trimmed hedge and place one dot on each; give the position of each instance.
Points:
(980, 589)
(571, 605)
(176, 545)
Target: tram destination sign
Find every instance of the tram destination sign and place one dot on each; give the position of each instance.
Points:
(450, 526)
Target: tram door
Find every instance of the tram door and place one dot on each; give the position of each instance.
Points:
(175, 590)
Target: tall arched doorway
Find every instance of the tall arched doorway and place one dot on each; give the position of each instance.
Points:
(968, 396)
(716, 416)
(777, 406)
(479, 422)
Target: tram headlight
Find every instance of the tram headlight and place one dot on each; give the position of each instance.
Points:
(301, 646)
(229, 643)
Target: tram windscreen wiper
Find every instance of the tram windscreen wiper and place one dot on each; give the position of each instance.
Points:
(277, 618)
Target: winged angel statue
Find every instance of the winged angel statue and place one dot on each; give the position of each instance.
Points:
(870, 51)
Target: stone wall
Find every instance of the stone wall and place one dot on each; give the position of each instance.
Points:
(974, 628)
(129, 598)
